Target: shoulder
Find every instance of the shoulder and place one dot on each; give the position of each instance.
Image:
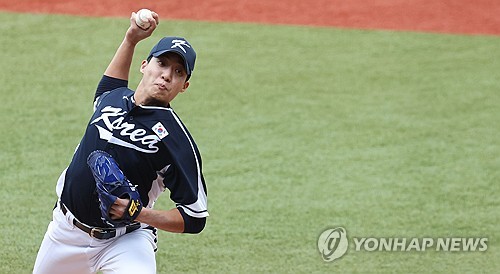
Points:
(164, 122)
(108, 83)
(122, 93)
(118, 93)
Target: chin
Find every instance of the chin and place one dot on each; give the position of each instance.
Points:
(154, 102)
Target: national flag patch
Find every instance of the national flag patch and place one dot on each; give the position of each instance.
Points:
(160, 130)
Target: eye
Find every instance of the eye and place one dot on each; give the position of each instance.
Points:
(160, 63)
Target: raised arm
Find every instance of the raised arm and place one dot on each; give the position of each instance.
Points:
(119, 67)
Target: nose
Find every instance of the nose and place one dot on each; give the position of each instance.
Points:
(166, 74)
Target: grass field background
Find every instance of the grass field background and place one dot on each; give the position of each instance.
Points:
(389, 134)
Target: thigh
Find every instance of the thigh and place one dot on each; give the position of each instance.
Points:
(63, 250)
(130, 253)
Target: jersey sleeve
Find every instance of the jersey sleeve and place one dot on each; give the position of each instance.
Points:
(108, 83)
(184, 177)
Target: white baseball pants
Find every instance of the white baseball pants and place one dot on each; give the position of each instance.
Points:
(67, 249)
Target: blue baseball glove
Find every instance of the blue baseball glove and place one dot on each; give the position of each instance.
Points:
(111, 183)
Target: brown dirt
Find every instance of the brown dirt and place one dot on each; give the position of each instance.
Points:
(446, 16)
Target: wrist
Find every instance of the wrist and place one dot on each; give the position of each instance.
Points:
(129, 42)
(142, 217)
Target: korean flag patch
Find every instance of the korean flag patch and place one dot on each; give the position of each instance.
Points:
(160, 130)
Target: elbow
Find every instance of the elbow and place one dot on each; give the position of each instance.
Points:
(195, 225)
(192, 225)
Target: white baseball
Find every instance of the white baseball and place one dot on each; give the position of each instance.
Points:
(141, 18)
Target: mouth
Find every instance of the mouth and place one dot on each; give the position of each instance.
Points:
(162, 86)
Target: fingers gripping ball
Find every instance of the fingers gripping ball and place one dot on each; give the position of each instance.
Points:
(111, 183)
(142, 18)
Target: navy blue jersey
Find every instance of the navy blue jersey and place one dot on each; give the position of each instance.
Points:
(150, 144)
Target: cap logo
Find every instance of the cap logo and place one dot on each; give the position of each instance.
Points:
(180, 44)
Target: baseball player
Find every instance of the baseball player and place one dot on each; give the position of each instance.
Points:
(134, 148)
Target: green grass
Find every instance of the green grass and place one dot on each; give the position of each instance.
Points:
(389, 134)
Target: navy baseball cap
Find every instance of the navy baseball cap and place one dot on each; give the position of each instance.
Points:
(178, 45)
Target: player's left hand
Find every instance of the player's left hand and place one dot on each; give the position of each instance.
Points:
(118, 208)
(111, 184)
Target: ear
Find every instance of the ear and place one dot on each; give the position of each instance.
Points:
(143, 66)
(186, 85)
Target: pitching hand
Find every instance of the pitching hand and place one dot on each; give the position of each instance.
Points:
(135, 34)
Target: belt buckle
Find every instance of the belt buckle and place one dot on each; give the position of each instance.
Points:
(95, 230)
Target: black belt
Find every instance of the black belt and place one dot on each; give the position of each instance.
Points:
(99, 232)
